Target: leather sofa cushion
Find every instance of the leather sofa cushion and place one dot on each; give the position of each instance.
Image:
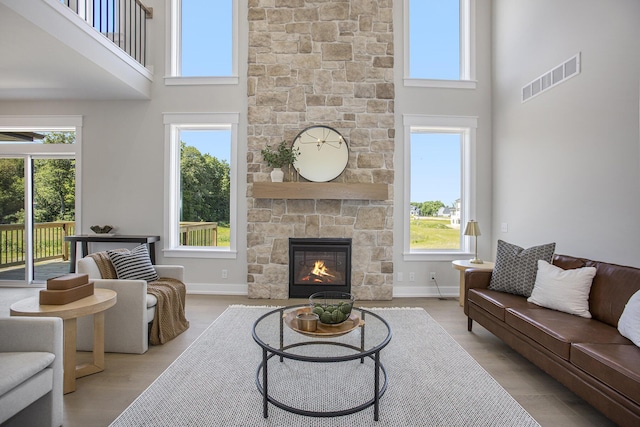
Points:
(612, 286)
(496, 302)
(615, 365)
(556, 331)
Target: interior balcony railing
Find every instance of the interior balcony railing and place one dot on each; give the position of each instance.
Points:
(124, 22)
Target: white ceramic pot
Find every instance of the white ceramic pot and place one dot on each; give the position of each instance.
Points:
(277, 175)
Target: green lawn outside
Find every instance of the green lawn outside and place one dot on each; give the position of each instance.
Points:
(224, 234)
(433, 233)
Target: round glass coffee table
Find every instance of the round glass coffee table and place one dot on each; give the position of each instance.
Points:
(333, 371)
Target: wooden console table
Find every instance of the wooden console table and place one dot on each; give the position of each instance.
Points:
(95, 238)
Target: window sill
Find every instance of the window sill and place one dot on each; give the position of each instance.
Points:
(435, 256)
(192, 252)
(448, 84)
(200, 81)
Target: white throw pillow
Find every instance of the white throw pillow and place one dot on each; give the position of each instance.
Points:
(629, 323)
(563, 290)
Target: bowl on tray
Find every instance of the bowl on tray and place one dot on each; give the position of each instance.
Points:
(331, 307)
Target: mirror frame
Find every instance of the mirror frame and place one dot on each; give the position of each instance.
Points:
(324, 153)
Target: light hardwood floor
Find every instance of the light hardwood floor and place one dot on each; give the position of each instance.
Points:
(101, 397)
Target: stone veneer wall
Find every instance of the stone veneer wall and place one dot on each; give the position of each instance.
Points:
(323, 62)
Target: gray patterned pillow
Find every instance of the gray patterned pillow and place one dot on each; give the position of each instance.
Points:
(516, 268)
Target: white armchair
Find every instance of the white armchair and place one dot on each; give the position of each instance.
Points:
(31, 371)
(126, 325)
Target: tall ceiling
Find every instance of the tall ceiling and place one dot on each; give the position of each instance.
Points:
(48, 53)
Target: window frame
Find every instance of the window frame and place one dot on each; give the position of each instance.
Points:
(174, 123)
(467, 51)
(174, 54)
(465, 126)
(29, 151)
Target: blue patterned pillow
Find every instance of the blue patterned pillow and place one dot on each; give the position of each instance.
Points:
(135, 265)
(516, 268)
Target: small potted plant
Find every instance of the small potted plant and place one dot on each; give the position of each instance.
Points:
(282, 156)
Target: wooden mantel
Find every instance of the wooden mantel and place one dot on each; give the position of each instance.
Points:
(320, 190)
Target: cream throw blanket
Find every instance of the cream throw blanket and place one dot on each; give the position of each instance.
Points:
(169, 320)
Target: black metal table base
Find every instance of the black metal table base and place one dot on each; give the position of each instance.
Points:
(263, 388)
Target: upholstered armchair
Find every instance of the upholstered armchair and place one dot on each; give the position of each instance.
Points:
(126, 325)
(31, 371)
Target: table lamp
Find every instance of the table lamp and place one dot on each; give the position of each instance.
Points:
(473, 230)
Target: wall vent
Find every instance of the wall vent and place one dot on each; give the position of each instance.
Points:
(551, 78)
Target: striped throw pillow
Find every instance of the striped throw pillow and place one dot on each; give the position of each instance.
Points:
(134, 264)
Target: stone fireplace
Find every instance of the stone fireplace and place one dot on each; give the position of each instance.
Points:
(327, 63)
(317, 265)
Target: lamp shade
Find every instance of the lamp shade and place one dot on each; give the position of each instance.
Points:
(473, 229)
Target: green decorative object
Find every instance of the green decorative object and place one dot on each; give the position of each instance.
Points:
(282, 156)
(332, 307)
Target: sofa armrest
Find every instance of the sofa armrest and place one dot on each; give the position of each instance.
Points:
(474, 278)
(125, 324)
(87, 265)
(31, 334)
(170, 271)
(22, 334)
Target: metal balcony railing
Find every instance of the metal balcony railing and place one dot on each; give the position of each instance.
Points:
(124, 22)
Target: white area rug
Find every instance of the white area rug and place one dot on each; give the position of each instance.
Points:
(432, 382)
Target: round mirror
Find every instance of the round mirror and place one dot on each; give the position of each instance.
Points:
(323, 153)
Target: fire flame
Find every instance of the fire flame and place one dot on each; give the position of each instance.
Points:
(319, 269)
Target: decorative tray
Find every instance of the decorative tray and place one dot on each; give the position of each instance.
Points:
(323, 330)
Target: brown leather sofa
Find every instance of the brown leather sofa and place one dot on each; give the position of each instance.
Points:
(588, 356)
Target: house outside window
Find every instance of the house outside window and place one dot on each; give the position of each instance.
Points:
(203, 42)
(440, 190)
(439, 43)
(200, 219)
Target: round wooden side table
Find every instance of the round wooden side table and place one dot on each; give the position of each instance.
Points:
(96, 304)
(465, 264)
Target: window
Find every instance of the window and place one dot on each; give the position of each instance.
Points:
(440, 161)
(201, 196)
(438, 43)
(203, 42)
(38, 187)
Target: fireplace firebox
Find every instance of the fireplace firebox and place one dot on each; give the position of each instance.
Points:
(317, 265)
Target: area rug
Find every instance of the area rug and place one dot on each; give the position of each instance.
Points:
(432, 381)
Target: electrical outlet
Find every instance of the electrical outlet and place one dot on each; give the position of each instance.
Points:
(400, 277)
(432, 276)
(412, 277)
(504, 227)
(225, 274)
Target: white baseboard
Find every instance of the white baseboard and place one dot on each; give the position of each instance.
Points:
(426, 292)
(398, 291)
(217, 289)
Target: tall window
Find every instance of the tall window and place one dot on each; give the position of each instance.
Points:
(201, 203)
(438, 43)
(38, 170)
(203, 42)
(440, 156)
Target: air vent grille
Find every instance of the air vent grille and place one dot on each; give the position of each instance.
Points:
(557, 75)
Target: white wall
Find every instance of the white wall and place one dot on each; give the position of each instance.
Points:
(123, 153)
(454, 102)
(123, 156)
(566, 164)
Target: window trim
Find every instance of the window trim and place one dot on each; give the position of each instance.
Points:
(29, 151)
(173, 57)
(466, 125)
(174, 123)
(467, 51)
